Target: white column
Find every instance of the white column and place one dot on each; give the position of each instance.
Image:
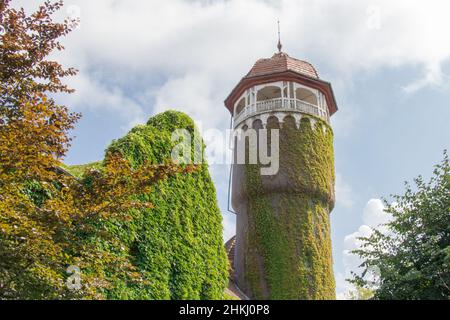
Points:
(298, 118)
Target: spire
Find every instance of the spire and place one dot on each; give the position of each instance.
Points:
(279, 38)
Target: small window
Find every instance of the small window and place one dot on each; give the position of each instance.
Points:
(240, 106)
(269, 92)
(306, 95)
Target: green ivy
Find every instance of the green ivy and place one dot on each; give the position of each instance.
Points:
(289, 246)
(178, 244)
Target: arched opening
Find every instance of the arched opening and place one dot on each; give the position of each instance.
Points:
(306, 95)
(289, 122)
(257, 124)
(269, 92)
(273, 123)
(240, 106)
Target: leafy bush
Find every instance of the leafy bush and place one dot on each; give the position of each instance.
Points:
(177, 244)
(412, 258)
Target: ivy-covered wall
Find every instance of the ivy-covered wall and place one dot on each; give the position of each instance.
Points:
(285, 243)
(177, 245)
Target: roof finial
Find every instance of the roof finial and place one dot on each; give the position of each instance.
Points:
(279, 38)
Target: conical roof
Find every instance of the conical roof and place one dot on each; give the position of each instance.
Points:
(281, 62)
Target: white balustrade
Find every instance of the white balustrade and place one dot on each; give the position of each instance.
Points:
(279, 104)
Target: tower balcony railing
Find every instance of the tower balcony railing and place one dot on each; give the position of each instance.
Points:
(279, 105)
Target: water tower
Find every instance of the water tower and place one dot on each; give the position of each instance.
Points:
(282, 247)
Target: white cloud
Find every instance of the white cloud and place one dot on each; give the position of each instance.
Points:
(373, 217)
(91, 94)
(344, 192)
(194, 94)
(198, 50)
(433, 77)
(373, 214)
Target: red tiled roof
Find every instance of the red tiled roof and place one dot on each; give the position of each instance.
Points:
(281, 62)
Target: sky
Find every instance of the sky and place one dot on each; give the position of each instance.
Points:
(388, 62)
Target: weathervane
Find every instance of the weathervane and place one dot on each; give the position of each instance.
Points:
(279, 38)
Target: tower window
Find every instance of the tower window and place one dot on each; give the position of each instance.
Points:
(306, 95)
(269, 92)
(240, 106)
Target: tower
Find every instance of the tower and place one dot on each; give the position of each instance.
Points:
(282, 248)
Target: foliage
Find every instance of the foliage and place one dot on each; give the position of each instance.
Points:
(33, 131)
(26, 42)
(360, 294)
(177, 245)
(289, 245)
(78, 170)
(48, 219)
(413, 256)
(227, 296)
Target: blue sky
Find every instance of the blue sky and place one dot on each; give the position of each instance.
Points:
(388, 62)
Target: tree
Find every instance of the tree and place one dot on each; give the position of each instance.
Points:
(26, 42)
(49, 220)
(360, 294)
(33, 133)
(412, 258)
